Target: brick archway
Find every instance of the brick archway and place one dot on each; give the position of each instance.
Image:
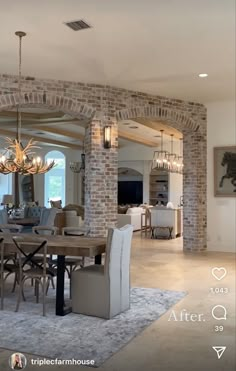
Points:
(87, 100)
(194, 177)
(177, 119)
(48, 100)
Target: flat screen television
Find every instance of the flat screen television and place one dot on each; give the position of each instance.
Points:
(130, 192)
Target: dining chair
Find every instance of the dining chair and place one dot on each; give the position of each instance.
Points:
(104, 290)
(8, 266)
(10, 228)
(37, 270)
(45, 230)
(164, 221)
(5, 227)
(52, 231)
(47, 217)
(73, 262)
(10, 263)
(2, 272)
(3, 216)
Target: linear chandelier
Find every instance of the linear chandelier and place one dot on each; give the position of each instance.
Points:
(160, 158)
(18, 158)
(167, 161)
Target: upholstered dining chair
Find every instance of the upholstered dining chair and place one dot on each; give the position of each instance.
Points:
(5, 226)
(37, 271)
(10, 228)
(3, 216)
(104, 290)
(47, 217)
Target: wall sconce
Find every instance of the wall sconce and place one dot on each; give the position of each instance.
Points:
(107, 137)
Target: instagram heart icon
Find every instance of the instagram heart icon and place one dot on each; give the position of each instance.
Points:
(219, 273)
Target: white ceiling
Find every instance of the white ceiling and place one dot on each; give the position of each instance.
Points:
(155, 46)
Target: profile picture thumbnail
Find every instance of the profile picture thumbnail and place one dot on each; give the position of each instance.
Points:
(17, 361)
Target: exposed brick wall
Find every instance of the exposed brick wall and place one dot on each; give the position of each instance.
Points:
(86, 101)
(101, 178)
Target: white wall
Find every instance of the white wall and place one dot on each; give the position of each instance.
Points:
(175, 188)
(221, 218)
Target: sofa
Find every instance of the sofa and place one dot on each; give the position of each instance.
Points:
(132, 216)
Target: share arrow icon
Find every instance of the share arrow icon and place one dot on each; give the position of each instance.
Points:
(219, 351)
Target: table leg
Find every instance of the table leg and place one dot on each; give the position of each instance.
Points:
(153, 232)
(60, 309)
(98, 259)
(170, 233)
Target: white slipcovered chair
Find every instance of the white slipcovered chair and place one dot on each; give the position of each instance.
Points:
(104, 290)
(167, 219)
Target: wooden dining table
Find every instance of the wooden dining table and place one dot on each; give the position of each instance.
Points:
(62, 246)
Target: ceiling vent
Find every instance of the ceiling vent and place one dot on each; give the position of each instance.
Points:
(78, 25)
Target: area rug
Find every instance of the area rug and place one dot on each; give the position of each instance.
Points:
(76, 336)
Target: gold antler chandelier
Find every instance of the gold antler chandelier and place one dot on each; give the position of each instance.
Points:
(18, 158)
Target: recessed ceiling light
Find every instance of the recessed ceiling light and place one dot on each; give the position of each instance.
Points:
(203, 74)
(133, 127)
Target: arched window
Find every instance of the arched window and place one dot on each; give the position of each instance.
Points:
(54, 180)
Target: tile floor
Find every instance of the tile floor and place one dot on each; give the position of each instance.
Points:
(175, 345)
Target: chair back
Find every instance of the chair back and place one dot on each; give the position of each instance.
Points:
(162, 217)
(45, 230)
(10, 228)
(117, 265)
(27, 248)
(47, 217)
(33, 211)
(154, 217)
(74, 231)
(3, 216)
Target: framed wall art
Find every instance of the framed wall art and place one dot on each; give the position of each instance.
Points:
(225, 171)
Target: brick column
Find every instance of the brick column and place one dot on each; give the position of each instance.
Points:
(194, 190)
(101, 178)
